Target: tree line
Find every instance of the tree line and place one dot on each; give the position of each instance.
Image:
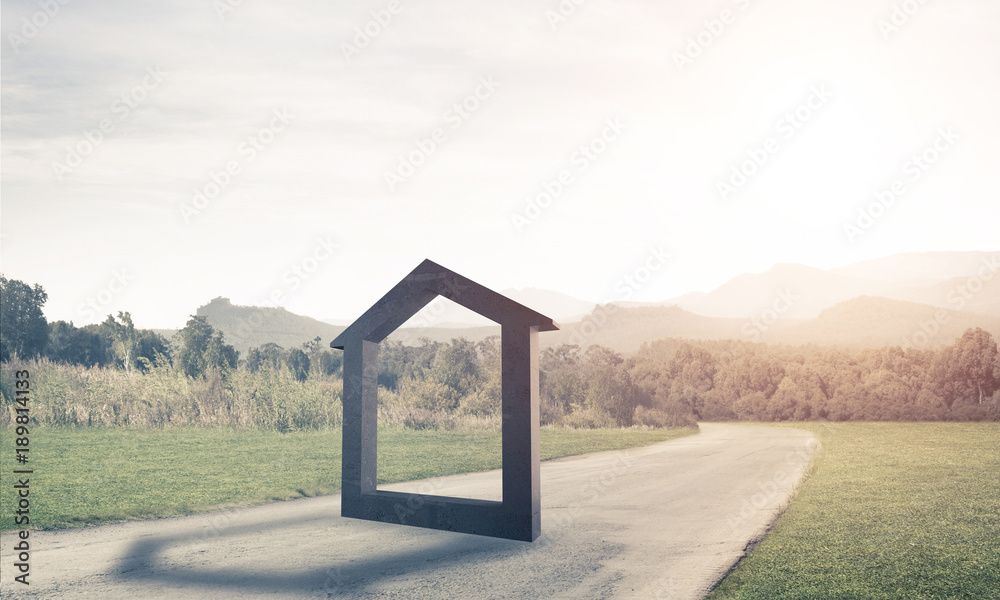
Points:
(735, 380)
(195, 350)
(676, 382)
(666, 383)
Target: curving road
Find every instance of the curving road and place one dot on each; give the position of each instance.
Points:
(661, 522)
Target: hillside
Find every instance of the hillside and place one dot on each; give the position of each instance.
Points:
(246, 327)
(865, 321)
(861, 322)
(625, 329)
(442, 312)
(874, 322)
(932, 297)
(810, 289)
(967, 294)
(559, 306)
(965, 281)
(411, 336)
(918, 268)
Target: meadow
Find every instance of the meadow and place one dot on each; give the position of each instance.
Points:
(89, 475)
(890, 511)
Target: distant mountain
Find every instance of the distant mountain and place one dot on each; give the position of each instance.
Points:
(411, 336)
(919, 298)
(559, 306)
(934, 278)
(967, 294)
(443, 313)
(626, 328)
(875, 322)
(919, 268)
(247, 327)
(861, 322)
(341, 322)
(800, 291)
(621, 328)
(687, 300)
(858, 323)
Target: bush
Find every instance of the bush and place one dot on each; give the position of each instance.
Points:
(650, 417)
(658, 418)
(484, 402)
(429, 394)
(589, 418)
(987, 411)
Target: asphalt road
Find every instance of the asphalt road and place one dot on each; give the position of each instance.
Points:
(660, 522)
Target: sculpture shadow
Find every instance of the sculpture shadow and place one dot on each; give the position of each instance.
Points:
(437, 551)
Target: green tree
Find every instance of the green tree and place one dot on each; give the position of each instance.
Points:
(782, 404)
(220, 355)
(24, 332)
(456, 366)
(694, 366)
(273, 355)
(253, 360)
(77, 345)
(395, 364)
(202, 348)
(329, 363)
(152, 349)
(486, 399)
(124, 339)
(966, 377)
(561, 384)
(976, 362)
(609, 387)
(192, 345)
(748, 379)
(269, 355)
(312, 346)
(422, 356)
(298, 363)
(886, 396)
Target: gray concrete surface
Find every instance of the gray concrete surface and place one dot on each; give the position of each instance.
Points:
(659, 522)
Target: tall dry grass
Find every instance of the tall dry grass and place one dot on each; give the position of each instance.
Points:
(74, 395)
(269, 399)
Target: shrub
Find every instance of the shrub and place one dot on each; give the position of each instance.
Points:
(659, 418)
(588, 418)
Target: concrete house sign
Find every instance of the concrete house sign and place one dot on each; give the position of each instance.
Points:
(518, 515)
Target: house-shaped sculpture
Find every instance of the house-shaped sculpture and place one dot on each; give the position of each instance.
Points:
(518, 515)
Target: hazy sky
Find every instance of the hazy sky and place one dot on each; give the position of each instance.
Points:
(351, 156)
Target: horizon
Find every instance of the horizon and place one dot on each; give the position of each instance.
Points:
(426, 317)
(162, 156)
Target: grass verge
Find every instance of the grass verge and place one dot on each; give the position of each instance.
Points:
(85, 475)
(891, 511)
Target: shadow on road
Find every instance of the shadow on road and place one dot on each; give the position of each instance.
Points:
(427, 551)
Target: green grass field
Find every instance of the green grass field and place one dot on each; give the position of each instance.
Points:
(90, 475)
(891, 511)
